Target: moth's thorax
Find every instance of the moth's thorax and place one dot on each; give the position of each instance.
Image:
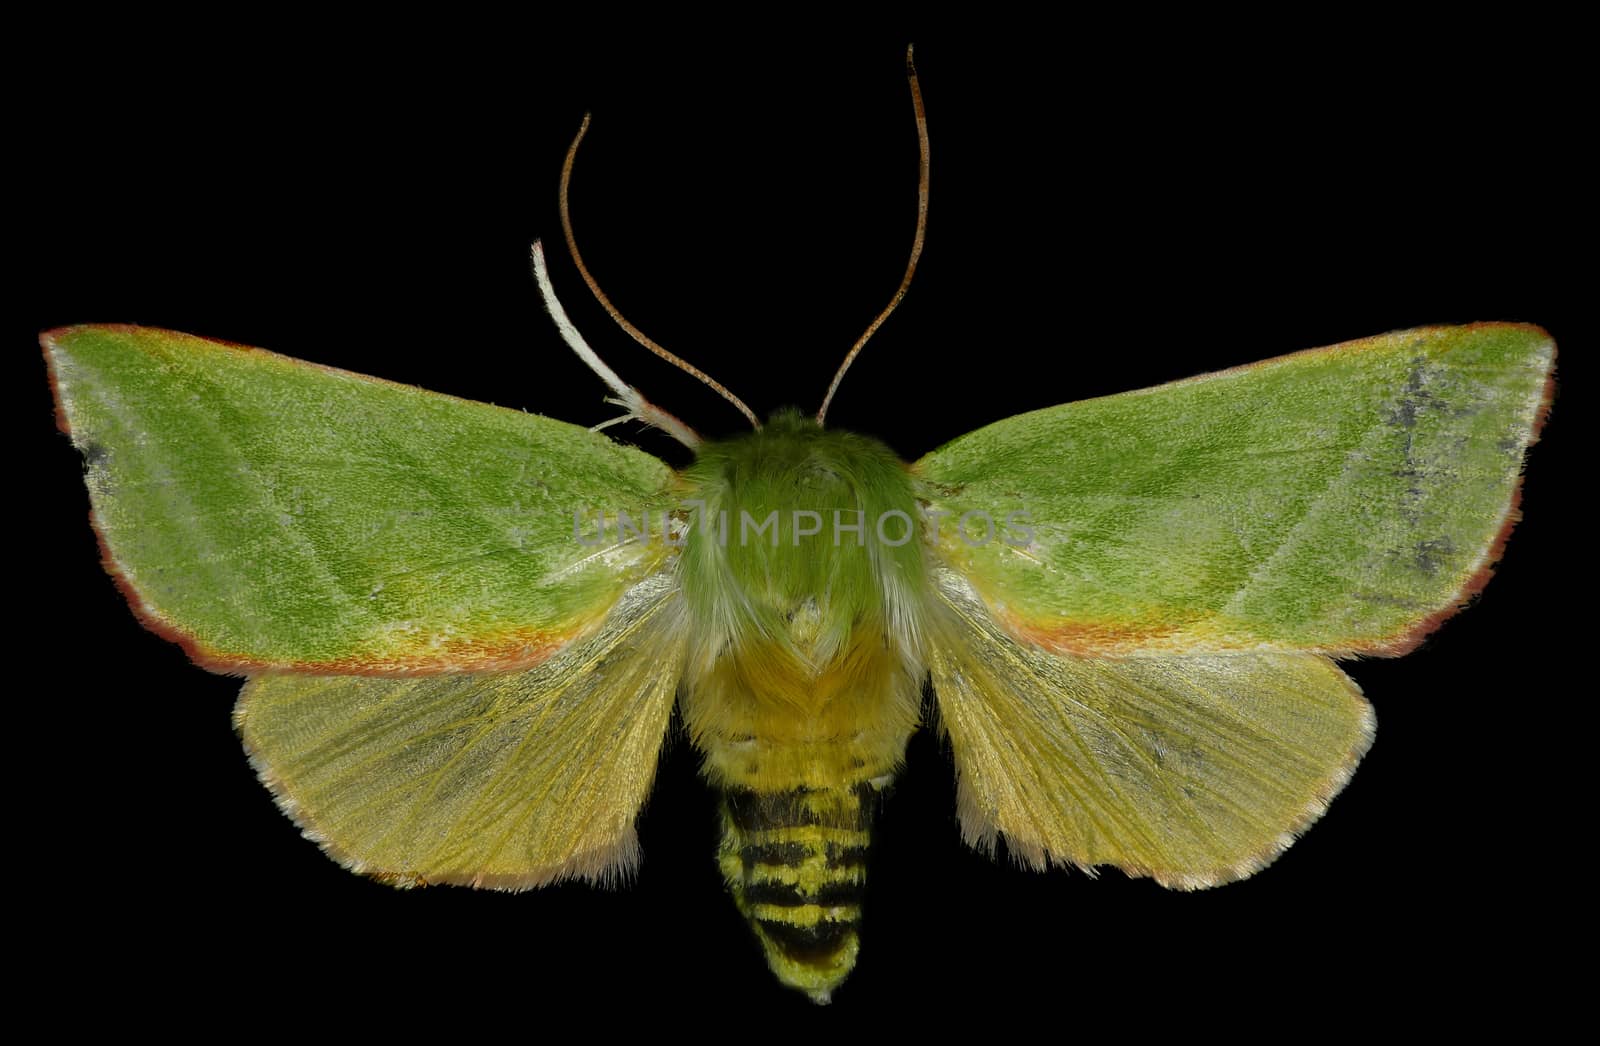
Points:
(804, 535)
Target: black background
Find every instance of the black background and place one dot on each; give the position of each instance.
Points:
(1106, 214)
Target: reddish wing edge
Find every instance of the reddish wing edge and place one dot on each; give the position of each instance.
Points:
(533, 650)
(1404, 642)
(1414, 637)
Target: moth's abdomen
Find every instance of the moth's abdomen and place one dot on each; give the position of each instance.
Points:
(796, 863)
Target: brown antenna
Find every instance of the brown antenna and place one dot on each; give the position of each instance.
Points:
(594, 288)
(916, 243)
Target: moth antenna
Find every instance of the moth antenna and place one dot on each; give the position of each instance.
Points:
(916, 243)
(605, 303)
(628, 397)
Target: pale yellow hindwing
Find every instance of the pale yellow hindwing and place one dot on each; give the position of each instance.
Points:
(503, 780)
(1191, 770)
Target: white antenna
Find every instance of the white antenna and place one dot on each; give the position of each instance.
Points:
(628, 397)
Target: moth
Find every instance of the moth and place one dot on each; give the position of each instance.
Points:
(466, 627)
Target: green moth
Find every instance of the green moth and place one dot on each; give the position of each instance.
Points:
(448, 687)
(1126, 607)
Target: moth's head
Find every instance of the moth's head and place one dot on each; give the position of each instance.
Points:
(794, 451)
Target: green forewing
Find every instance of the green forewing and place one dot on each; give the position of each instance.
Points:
(268, 512)
(1338, 500)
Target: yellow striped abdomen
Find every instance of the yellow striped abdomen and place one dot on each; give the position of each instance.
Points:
(796, 864)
